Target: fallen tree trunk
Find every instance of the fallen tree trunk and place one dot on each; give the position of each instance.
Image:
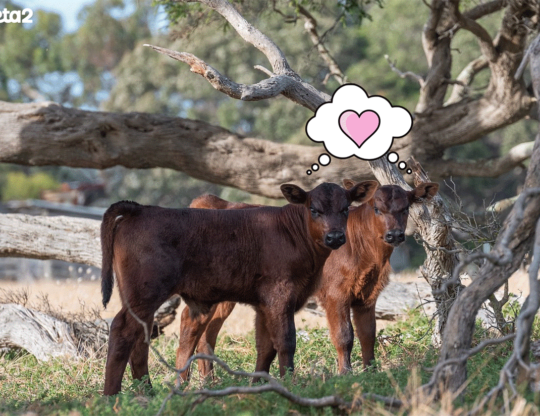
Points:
(394, 301)
(74, 240)
(40, 334)
(46, 336)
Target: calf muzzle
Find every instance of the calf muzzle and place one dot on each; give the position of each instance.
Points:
(394, 237)
(335, 239)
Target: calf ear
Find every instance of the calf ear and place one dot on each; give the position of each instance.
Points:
(294, 194)
(424, 191)
(363, 191)
(348, 183)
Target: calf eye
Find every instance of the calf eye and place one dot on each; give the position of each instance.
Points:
(345, 211)
(313, 211)
(377, 210)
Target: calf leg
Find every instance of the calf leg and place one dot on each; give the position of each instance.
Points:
(280, 324)
(191, 329)
(124, 333)
(207, 343)
(138, 360)
(264, 345)
(338, 315)
(366, 328)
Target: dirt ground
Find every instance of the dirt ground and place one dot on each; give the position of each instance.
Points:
(69, 295)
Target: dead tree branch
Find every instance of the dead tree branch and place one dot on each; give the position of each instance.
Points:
(310, 26)
(466, 77)
(519, 360)
(491, 168)
(407, 74)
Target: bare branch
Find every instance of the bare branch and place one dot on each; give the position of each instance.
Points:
(440, 366)
(484, 9)
(520, 355)
(287, 17)
(39, 134)
(276, 387)
(31, 92)
(292, 87)
(466, 77)
(407, 74)
(263, 90)
(265, 70)
(311, 27)
(489, 168)
(63, 238)
(502, 255)
(525, 60)
(438, 55)
(486, 42)
(253, 36)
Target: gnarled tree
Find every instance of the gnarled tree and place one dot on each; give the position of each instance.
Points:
(48, 134)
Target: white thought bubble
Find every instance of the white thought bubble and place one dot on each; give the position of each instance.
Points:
(353, 124)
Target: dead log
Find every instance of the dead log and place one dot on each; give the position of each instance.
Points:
(394, 301)
(40, 334)
(46, 336)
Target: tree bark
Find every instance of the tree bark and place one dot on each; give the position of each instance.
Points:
(41, 134)
(75, 240)
(48, 134)
(460, 329)
(40, 334)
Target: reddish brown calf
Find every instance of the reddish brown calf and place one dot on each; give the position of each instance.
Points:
(268, 257)
(353, 276)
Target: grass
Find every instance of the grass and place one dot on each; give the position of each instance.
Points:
(404, 350)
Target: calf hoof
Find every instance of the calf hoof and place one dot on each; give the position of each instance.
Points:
(345, 370)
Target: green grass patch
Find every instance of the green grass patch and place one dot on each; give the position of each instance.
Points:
(404, 351)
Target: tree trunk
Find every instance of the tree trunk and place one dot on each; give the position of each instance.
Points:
(458, 335)
(40, 134)
(48, 134)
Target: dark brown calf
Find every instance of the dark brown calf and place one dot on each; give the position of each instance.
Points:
(353, 276)
(268, 257)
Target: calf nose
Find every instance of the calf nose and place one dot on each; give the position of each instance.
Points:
(334, 239)
(394, 237)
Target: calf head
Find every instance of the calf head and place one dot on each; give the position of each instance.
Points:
(328, 206)
(391, 208)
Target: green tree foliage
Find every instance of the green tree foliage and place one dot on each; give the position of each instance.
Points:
(18, 185)
(111, 70)
(51, 63)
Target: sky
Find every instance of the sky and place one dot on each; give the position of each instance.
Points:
(68, 9)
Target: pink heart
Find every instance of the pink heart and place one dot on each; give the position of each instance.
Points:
(361, 127)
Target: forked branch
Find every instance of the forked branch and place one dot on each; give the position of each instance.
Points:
(263, 90)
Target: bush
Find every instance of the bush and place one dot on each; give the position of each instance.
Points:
(18, 185)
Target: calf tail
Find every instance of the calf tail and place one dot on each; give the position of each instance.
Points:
(112, 217)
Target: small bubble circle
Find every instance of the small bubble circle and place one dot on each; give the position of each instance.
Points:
(402, 165)
(308, 172)
(392, 157)
(409, 171)
(315, 167)
(324, 159)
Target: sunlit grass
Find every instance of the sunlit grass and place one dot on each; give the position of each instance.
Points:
(404, 353)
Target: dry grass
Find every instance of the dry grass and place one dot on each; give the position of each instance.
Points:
(71, 296)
